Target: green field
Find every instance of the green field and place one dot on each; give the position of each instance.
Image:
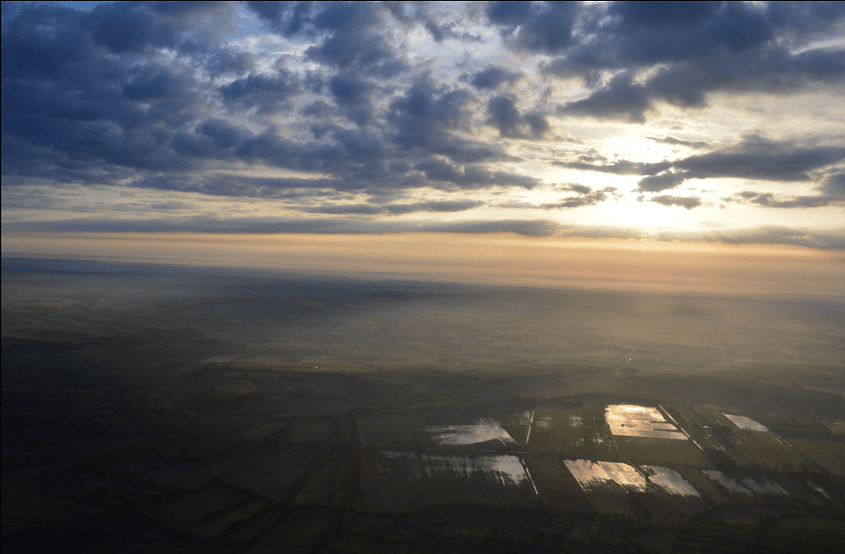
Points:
(643, 450)
(573, 433)
(828, 454)
(555, 483)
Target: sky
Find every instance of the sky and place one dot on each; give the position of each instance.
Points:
(701, 123)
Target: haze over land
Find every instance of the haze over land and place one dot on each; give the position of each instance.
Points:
(400, 277)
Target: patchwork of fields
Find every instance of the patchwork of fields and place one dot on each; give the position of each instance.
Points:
(252, 468)
(613, 458)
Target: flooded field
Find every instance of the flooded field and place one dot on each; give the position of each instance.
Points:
(640, 421)
(506, 470)
(486, 430)
(669, 480)
(407, 478)
(726, 482)
(745, 423)
(761, 485)
(746, 485)
(597, 475)
(837, 427)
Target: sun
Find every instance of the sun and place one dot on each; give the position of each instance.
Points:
(629, 212)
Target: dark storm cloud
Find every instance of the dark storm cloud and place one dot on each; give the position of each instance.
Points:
(694, 48)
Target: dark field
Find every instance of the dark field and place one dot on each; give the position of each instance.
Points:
(162, 409)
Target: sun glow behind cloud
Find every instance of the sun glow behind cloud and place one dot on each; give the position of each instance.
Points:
(588, 120)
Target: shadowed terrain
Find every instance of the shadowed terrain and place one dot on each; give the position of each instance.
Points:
(169, 409)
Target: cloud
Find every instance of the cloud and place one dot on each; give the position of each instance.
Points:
(688, 202)
(212, 224)
(811, 238)
(692, 50)
(288, 18)
(353, 94)
(267, 92)
(586, 196)
(756, 157)
(425, 116)
(387, 101)
(833, 186)
(662, 181)
(680, 142)
(751, 157)
(396, 209)
(503, 114)
(351, 33)
(535, 26)
(492, 77)
(832, 189)
(620, 99)
(779, 235)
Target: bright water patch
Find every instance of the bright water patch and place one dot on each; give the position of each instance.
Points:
(640, 421)
(728, 483)
(669, 480)
(506, 470)
(592, 475)
(485, 430)
(745, 423)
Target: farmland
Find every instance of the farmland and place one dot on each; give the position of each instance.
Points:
(198, 437)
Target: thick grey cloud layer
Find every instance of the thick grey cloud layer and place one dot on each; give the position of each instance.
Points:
(152, 95)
